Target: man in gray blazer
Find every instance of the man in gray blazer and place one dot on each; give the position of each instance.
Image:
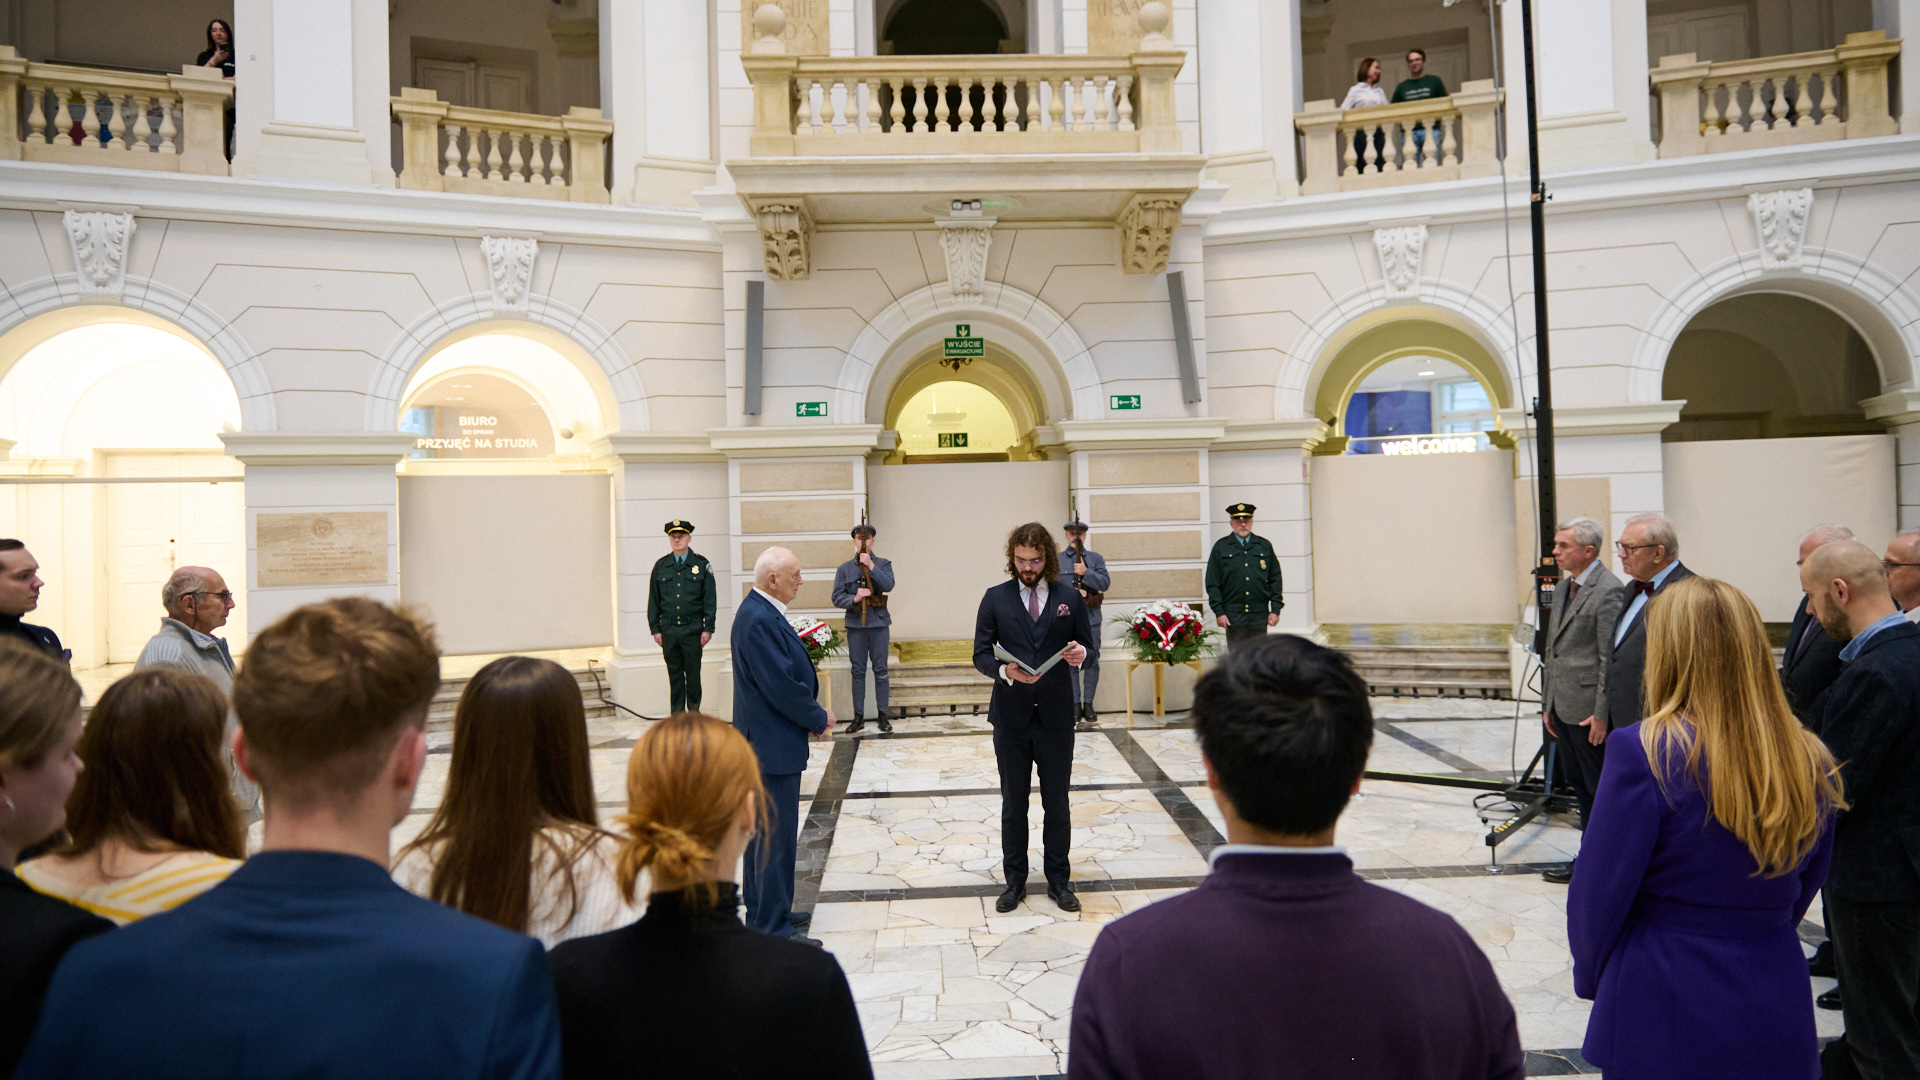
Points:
(1579, 646)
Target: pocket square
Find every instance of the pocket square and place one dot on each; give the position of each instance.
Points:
(1061, 610)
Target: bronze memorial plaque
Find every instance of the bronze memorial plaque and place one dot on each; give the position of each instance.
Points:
(347, 548)
(806, 26)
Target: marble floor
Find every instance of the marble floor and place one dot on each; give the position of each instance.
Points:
(899, 860)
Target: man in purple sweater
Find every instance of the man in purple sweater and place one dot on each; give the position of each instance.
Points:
(1284, 963)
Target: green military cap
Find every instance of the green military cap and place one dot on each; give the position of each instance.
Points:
(676, 525)
(864, 529)
(1240, 510)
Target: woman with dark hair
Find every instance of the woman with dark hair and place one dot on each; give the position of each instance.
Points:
(667, 996)
(39, 727)
(1364, 94)
(517, 840)
(152, 822)
(1712, 830)
(219, 50)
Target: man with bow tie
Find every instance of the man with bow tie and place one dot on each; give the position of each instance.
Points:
(1649, 553)
(1032, 617)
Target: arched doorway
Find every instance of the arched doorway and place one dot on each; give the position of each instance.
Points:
(505, 518)
(1772, 440)
(951, 27)
(118, 476)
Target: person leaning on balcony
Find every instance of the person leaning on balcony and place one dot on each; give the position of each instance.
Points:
(1366, 93)
(219, 54)
(1418, 86)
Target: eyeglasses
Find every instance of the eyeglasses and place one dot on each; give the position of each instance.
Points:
(1625, 548)
(1029, 564)
(224, 594)
(1891, 566)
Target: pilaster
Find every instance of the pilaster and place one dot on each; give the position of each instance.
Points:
(1900, 412)
(311, 91)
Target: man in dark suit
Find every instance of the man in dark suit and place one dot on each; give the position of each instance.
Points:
(1649, 554)
(1872, 892)
(1284, 962)
(1811, 660)
(309, 961)
(1032, 617)
(1573, 663)
(20, 586)
(774, 706)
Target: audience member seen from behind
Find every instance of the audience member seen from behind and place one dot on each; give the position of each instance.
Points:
(39, 728)
(1283, 954)
(1872, 894)
(20, 593)
(1685, 914)
(517, 840)
(219, 50)
(152, 822)
(689, 990)
(1903, 573)
(198, 602)
(309, 961)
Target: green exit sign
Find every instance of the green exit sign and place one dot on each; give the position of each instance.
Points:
(818, 408)
(965, 346)
(1123, 401)
(950, 439)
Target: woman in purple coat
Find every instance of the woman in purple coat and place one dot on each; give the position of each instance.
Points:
(1711, 832)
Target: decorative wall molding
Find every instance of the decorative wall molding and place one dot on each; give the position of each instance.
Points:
(1146, 232)
(966, 242)
(510, 271)
(99, 240)
(1780, 217)
(1401, 248)
(783, 229)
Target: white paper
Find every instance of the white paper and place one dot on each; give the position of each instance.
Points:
(1008, 658)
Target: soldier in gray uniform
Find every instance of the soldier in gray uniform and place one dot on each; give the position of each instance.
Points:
(1091, 578)
(682, 599)
(860, 586)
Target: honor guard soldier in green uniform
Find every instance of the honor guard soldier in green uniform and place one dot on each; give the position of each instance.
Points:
(1243, 579)
(681, 600)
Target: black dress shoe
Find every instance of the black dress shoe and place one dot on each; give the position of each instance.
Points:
(1063, 896)
(1010, 899)
(1558, 875)
(1820, 965)
(854, 728)
(800, 920)
(1829, 1000)
(886, 725)
(805, 940)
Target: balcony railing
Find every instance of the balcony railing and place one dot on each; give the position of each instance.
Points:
(446, 147)
(119, 119)
(864, 105)
(1414, 142)
(1838, 93)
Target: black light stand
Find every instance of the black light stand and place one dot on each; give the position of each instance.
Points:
(1533, 795)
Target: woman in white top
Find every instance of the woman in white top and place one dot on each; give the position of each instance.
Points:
(1366, 93)
(517, 840)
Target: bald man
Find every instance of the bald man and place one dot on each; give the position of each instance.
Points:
(1811, 660)
(1903, 573)
(1872, 892)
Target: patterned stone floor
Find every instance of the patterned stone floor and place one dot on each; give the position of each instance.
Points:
(900, 857)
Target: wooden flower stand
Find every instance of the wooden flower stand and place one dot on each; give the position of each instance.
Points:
(1159, 684)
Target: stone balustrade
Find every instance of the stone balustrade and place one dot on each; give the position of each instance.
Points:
(1414, 142)
(1838, 93)
(1023, 104)
(119, 119)
(446, 147)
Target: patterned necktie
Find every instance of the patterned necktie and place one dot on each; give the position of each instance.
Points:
(1033, 604)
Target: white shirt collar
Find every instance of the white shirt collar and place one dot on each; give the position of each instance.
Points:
(1265, 849)
(1580, 578)
(777, 605)
(1039, 587)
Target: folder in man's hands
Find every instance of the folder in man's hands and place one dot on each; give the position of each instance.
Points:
(1006, 657)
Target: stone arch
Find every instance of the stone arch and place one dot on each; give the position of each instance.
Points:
(1879, 306)
(1480, 327)
(568, 331)
(1039, 337)
(50, 306)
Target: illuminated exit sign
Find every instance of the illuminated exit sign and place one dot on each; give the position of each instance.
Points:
(1123, 401)
(809, 408)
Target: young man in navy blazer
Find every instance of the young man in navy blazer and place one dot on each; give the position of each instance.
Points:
(774, 706)
(1032, 617)
(309, 961)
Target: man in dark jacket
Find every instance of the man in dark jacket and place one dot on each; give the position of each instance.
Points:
(20, 586)
(682, 601)
(1649, 554)
(1811, 660)
(1872, 893)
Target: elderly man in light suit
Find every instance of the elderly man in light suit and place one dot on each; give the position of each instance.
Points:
(1579, 647)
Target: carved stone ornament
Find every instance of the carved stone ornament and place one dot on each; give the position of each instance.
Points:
(1146, 233)
(100, 240)
(510, 270)
(1400, 250)
(966, 242)
(783, 229)
(1780, 217)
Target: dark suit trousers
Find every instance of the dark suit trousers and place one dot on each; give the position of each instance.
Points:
(771, 856)
(681, 644)
(1877, 947)
(1238, 633)
(1580, 763)
(1019, 747)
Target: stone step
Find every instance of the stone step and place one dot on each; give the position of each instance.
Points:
(1434, 670)
(937, 688)
(1440, 688)
(440, 712)
(1388, 670)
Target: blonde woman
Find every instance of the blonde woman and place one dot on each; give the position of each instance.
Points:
(666, 996)
(1711, 832)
